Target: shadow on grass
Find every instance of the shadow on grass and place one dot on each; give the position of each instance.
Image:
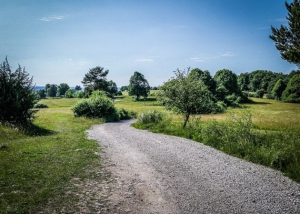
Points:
(256, 103)
(34, 130)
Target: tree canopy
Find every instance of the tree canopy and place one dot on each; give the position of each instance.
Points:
(138, 86)
(287, 39)
(95, 79)
(186, 95)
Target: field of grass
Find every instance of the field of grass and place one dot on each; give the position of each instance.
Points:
(39, 166)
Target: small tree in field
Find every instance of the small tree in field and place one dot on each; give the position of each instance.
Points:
(138, 86)
(17, 96)
(186, 96)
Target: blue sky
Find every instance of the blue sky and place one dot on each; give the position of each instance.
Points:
(59, 41)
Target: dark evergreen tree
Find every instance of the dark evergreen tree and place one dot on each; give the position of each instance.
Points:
(287, 39)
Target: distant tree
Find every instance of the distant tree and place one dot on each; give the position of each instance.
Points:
(292, 92)
(278, 89)
(186, 97)
(243, 81)
(287, 39)
(52, 91)
(227, 79)
(62, 89)
(124, 88)
(17, 96)
(77, 88)
(197, 74)
(138, 86)
(112, 88)
(41, 93)
(47, 86)
(70, 93)
(95, 79)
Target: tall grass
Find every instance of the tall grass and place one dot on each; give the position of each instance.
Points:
(252, 133)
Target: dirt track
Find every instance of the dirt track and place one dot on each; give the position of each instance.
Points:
(154, 173)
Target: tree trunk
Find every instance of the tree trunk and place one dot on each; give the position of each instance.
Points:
(186, 119)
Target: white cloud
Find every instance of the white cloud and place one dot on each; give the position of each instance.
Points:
(143, 60)
(205, 58)
(51, 18)
(227, 54)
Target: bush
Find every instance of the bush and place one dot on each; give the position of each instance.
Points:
(17, 96)
(151, 116)
(40, 105)
(260, 93)
(100, 106)
(125, 114)
(292, 92)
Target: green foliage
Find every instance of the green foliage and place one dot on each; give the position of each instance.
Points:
(62, 89)
(112, 88)
(287, 39)
(227, 79)
(52, 91)
(40, 105)
(278, 89)
(138, 86)
(77, 88)
(125, 114)
(80, 94)
(17, 96)
(197, 74)
(97, 106)
(41, 94)
(124, 88)
(186, 96)
(70, 93)
(259, 93)
(292, 92)
(150, 116)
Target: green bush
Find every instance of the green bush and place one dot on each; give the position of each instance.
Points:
(151, 116)
(292, 92)
(100, 106)
(97, 106)
(125, 114)
(40, 105)
(17, 96)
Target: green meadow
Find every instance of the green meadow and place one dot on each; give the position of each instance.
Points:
(38, 166)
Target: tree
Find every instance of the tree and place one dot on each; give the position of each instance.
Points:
(138, 86)
(41, 93)
(287, 39)
(17, 96)
(70, 93)
(112, 88)
(292, 92)
(62, 89)
(77, 88)
(95, 79)
(186, 96)
(52, 91)
(227, 79)
(124, 88)
(278, 89)
(197, 74)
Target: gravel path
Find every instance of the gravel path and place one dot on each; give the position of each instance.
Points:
(154, 173)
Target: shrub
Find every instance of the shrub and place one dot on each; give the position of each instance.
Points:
(17, 96)
(125, 114)
(151, 116)
(40, 105)
(292, 92)
(259, 93)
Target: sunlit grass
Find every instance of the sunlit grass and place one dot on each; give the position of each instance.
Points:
(37, 167)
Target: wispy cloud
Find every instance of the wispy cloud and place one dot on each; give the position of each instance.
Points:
(52, 18)
(143, 60)
(205, 58)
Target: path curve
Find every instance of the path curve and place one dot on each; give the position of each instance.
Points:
(155, 173)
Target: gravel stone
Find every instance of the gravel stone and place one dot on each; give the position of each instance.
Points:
(166, 174)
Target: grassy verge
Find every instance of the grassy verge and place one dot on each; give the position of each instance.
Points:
(39, 166)
(266, 132)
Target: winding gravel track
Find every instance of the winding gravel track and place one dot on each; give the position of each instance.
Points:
(155, 173)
